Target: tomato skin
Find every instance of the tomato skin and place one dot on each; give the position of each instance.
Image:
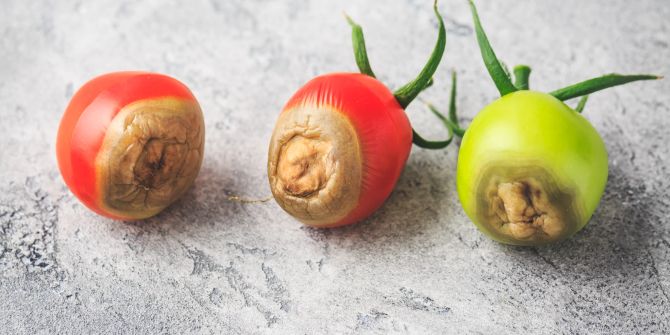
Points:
(528, 128)
(382, 129)
(85, 121)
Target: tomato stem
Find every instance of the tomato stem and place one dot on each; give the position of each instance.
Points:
(406, 94)
(506, 69)
(360, 51)
(521, 74)
(496, 70)
(426, 144)
(582, 103)
(452, 104)
(429, 84)
(451, 122)
(599, 83)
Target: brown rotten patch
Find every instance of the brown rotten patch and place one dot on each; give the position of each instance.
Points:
(526, 206)
(151, 154)
(314, 164)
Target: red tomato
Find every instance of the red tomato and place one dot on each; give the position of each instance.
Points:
(342, 140)
(338, 149)
(130, 143)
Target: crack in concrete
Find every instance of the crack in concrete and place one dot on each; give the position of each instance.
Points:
(369, 320)
(28, 226)
(657, 276)
(543, 258)
(277, 292)
(251, 250)
(216, 297)
(419, 302)
(237, 283)
(202, 263)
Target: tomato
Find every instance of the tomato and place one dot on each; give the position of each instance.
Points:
(342, 141)
(338, 149)
(530, 169)
(130, 143)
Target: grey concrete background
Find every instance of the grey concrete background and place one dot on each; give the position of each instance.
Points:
(418, 265)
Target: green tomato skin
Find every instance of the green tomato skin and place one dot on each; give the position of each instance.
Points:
(528, 134)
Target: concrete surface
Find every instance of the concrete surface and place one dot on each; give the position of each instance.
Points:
(208, 265)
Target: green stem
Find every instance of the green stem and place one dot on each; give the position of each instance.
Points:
(406, 94)
(452, 103)
(426, 144)
(597, 84)
(582, 103)
(521, 75)
(459, 131)
(360, 51)
(496, 70)
(506, 69)
(429, 84)
(449, 123)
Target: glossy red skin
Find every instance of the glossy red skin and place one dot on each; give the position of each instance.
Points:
(383, 129)
(84, 125)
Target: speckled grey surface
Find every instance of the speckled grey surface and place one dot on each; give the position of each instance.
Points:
(208, 265)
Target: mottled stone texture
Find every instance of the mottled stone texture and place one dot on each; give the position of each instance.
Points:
(418, 265)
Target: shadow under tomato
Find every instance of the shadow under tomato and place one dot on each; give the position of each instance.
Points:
(611, 258)
(619, 233)
(206, 204)
(608, 266)
(423, 199)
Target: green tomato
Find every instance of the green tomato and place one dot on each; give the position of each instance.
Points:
(531, 170)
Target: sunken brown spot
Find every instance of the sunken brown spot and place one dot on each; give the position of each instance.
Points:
(302, 166)
(527, 212)
(525, 206)
(151, 154)
(314, 164)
